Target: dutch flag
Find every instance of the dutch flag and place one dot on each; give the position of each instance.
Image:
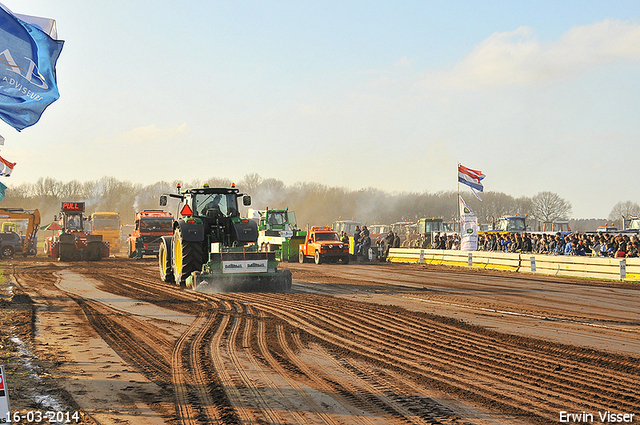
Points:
(6, 167)
(470, 177)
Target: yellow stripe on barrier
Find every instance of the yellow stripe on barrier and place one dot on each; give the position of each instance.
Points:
(595, 267)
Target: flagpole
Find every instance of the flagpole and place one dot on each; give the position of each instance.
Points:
(458, 202)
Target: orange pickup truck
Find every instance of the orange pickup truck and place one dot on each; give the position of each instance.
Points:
(323, 245)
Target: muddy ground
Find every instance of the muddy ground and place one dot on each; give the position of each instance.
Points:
(358, 343)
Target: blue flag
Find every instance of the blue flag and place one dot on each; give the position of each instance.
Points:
(2, 188)
(28, 59)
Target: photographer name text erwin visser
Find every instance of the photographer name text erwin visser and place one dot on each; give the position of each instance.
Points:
(602, 417)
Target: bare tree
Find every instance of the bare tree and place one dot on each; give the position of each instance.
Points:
(549, 206)
(313, 203)
(622, 211)
(250, 183)
(492, 206)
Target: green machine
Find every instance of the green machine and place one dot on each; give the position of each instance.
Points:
(213, 249)
(278, 232)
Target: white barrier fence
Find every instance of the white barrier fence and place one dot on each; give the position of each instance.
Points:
(627, 269)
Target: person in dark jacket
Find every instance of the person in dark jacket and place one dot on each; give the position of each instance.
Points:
(364, 245)
(396, 240)
(356, 236)
(388, 243)
(139, 247)
(527, 245)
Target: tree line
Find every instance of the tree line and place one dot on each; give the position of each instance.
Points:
(313, 203)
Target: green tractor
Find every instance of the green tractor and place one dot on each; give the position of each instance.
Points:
(278, 231)
(213, 249)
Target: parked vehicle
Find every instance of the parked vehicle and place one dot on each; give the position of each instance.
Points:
(108, 225)
(323, 244)
(151, 225)
(10, 243)
(27, 242)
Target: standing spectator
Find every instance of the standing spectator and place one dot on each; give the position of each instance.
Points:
(504, 243)
(587, 246)
(365, 244)
(579, 249)
(596, 245)
(388, 243)
(396, 240)
(560, 243)
(356, 236)
(435, 243)
(139, 247)
(527, 245)
(455, 244)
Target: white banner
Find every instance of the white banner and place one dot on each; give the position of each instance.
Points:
(244, 266)
(468, 228)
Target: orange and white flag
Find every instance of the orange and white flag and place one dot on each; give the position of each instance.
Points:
(6, 167)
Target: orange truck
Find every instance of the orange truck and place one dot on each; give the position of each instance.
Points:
(151, 225)
(323, 244)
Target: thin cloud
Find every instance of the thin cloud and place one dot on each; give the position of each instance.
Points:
(518, 58)
(150, 133)
(404, 62)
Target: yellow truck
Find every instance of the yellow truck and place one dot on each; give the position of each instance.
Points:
(108, 225)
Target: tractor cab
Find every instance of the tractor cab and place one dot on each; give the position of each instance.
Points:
(214, 205)
(512, 224)
(71, 216)
(73, 222)
(208, 203)
(215, 210)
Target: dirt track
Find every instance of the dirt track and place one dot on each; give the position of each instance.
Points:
(366, 344)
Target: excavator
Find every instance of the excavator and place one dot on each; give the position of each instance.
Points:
(33, 222)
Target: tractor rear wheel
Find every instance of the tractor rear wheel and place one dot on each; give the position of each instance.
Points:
(187, 257)
(164, 260)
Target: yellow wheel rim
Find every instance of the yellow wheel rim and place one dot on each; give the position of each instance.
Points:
(178, 256)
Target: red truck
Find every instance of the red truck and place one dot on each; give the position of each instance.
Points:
(323, 245)
(151, 225)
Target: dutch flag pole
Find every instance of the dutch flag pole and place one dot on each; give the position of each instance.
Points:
(471, 178)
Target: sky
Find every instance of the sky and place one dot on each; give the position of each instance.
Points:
(538, 95)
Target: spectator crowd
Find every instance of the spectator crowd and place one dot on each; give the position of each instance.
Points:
(581, 244)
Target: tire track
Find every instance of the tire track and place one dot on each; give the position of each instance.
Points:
(486, 365)
(253, 391)
(127, 342)
(292, 383)
(381, 360)
(215, 347)
(180, 376)
(323, 383)
(560, 395)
